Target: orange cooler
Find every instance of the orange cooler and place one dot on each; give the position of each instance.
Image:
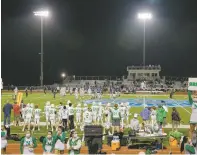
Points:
(115, 145)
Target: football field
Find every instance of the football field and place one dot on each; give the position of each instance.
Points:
(40, 99)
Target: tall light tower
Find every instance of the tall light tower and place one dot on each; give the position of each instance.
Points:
(42, 15)
(144, 17)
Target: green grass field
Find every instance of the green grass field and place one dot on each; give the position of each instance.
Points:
(40, 99)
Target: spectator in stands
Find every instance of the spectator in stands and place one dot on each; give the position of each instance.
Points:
(175, 119)
(7, 112)
(16, 109)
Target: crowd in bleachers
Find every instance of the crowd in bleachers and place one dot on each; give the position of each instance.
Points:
(125, 86)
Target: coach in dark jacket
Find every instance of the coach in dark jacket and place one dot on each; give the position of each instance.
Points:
(7, 112)
(175, 119)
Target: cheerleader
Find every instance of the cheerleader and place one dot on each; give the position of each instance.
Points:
(3, 140)
(74, 144)
(27, 144)
(60, 141)
(48, 144)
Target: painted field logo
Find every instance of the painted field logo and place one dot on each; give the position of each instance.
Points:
(193, 84)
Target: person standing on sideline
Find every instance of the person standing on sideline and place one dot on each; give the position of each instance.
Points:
(26, 91)
(116, 117)
(175, 119)
(160, 113)
(31, 88)
(64, 115)
(45, 89)
(7, 112)
(71, 116)
(54, 92)
(74, 144)
(16, 109)
(145, 114)
(135, 124)
(15, 93)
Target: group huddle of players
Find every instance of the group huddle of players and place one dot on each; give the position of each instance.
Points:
(95, 113)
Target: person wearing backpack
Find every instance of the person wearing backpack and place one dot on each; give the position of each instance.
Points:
(175, 119)
(74, 144)
(28, 144)
(48, 143)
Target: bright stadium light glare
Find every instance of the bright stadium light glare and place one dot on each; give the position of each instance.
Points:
(144, 16)
(41, 13)
(63, 75)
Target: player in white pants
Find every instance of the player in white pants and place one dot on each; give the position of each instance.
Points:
(37, 113)
(76, 94)
(107, 119)
(78, 114)
(122, 109)
(127, 112)
(100, 113)
(89, 91)
(46, 110)
(23, 111)
(71, 90)
(28, 116)
(107, 113)
(94, 112)
(81, 92)
(60, 108)
(85, 108)
(52, 117)
(87, 119)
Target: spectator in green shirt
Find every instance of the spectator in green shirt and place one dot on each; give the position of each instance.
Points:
(160, 115)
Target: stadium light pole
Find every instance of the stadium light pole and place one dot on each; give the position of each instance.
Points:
(42, 15)
(144, 17)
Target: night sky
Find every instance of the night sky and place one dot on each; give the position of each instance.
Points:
(96, 37)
